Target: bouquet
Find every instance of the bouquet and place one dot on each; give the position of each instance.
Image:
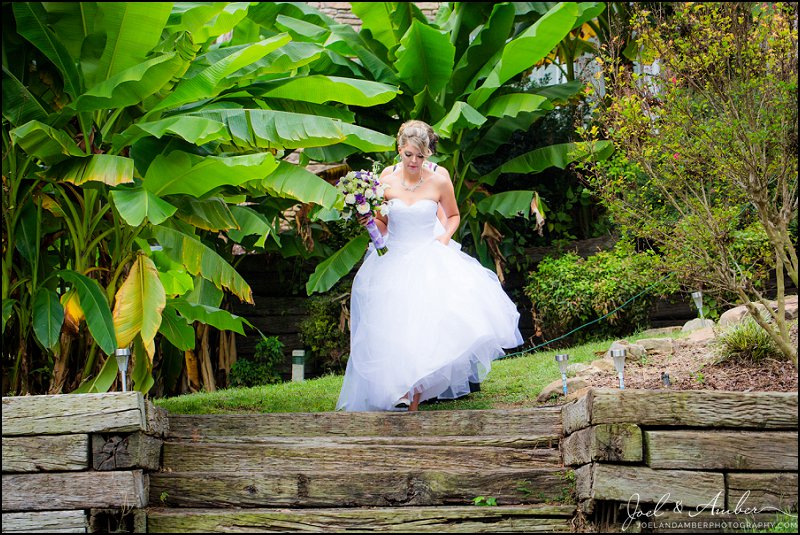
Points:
(363, 193)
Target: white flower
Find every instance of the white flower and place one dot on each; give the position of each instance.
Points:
(363, 208)
(350, 198)
(384, 208)
(380, 190)
(369, 194)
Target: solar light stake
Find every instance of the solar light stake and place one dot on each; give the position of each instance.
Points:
(123, 354)
(562, 360)
(697, 297)
(298, 364)
(619, 363)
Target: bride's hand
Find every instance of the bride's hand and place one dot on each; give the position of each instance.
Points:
(362, 220)
(444, 240)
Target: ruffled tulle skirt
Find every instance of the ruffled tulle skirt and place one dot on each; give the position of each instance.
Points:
(424, 318)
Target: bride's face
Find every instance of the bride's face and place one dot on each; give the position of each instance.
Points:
(412, 157)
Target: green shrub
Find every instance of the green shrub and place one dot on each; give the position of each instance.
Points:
(325, 332)
(262, 368)
(570, 291)
(746, 341)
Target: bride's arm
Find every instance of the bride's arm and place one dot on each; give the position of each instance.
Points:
(448, 204)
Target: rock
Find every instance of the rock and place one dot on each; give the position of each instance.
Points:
(733, 315)
(634, 351)
(603, 365)
(737, 314)
(576, 369)
(660, 345)
(557, 388)
(697, 323)
(702, 336)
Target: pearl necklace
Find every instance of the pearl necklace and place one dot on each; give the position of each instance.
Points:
(414, 187)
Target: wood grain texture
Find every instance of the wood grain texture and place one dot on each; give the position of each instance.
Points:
(45, 453)
(604, 442)
(45, 522)
(313, 454)
(75, 490)
(468, 519)
(121, 452)
(722, 450)
(765, 492)
(540, 421)
(355, 488)
(74, 414)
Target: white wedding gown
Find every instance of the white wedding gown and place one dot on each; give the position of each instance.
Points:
(424, 317)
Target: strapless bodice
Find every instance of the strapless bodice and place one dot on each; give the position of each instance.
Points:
(411, 223)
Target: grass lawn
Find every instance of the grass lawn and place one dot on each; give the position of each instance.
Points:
(513, 382)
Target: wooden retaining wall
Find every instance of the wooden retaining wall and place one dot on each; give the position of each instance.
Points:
(79, 462)
(660, 460)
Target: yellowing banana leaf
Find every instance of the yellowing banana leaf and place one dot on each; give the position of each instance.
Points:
(106, 168)
(180, 172)
(137, 203)
(138, 304)
(201, 260)
(94, 305)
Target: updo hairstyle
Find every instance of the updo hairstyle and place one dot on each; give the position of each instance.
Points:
(419, 134)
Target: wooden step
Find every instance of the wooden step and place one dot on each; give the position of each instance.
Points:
(454, 519)
(531, 422)
(312, 454)
(355, 488)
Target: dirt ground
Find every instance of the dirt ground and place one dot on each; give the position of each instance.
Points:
(690, 367)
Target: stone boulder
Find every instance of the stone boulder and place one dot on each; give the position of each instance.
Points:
(603, 365)
(634, 351)
(697, 324)
(557, 388)
(737, 314)
(658, 345)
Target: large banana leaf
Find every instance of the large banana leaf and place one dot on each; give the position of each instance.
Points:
(96, 309)
(388, 22)
(216, 317)
(425, 58)
(507, 204)
(527, 49)
(347, 42)
(209, 214)
(73, 22)
(135, 204)
(19, 105)
(176, 329)
(132, 85)
(138, 305)
(489, 39)
(106, 168)
(251, 222)
(8, 309)
(48, 316)
(33, 25)
(298, 183)
(142, 370)
(102, 381)
(132, 30)
(339, 264)
(202, 260)
(559, 156)
(206, 20)
(181, 172)
(512, 104)
(320, 89)
(267, 129)
(195, 130)
(45, 143)
(301, 30)
(460, 116)
(204, 84)
(276, 64)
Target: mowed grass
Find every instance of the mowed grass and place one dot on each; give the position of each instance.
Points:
(513, 382)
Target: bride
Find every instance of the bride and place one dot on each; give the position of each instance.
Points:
(425, 319)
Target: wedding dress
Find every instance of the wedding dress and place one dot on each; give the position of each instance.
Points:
(424, 317)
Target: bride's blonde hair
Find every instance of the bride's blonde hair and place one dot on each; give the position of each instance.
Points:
(419, 133)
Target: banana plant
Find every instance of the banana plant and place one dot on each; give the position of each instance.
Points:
(134, 135)
(458, 74)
